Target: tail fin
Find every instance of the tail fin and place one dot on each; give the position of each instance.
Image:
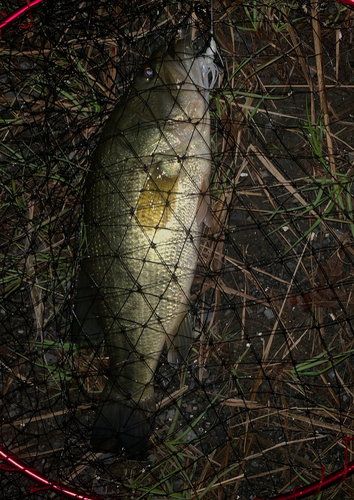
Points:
(124, 427)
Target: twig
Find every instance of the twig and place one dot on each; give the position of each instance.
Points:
(321, 82)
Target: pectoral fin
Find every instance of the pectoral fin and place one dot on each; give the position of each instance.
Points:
(180, 343)
(157, 198)
(203, 211)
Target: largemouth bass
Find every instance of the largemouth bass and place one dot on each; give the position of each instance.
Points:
(144, 207)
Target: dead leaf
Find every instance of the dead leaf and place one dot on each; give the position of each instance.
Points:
(322, 298)
(331, 271)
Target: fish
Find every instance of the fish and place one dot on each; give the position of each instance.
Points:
(145, 203)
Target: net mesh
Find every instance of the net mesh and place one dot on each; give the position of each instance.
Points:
(265, 398)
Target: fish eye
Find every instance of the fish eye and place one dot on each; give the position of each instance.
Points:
(148, 73)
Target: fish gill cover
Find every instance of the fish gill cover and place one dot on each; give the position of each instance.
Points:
(176, 241)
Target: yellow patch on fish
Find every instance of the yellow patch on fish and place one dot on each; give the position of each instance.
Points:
(155, 205)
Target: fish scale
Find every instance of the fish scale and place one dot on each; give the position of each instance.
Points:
(143, 212)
